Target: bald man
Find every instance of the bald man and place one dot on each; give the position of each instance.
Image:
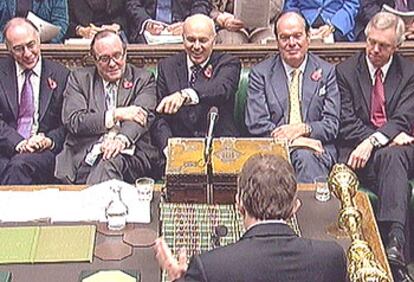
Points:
(31, 132)
(191, 82)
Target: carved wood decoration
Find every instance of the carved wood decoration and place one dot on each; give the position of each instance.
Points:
(249, 54)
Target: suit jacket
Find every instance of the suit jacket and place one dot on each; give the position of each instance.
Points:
(340, 13)
(54, 11)
(217, 90)
(267, 104)
(368, 9)
(50, 104)
(270, 252)
(84, 115)
(81, 13)
(355, 85)
(139, 11)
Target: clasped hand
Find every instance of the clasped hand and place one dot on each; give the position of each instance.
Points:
(36, 143)
(132, 113)
(289, 131)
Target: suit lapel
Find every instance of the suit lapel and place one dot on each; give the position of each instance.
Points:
(391, 82)
(47, 86)
(364, 81)
(279, 82)
(124, 88)
(98, 93)
(182, 71)
(9, 80)
(309, 86)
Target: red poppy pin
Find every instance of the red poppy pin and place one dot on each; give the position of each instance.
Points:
(127, 84)
(52, 83)
(208, 71)
(316, 75)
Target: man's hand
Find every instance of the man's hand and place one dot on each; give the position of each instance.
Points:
(166, 260)
(233, 24)
(36, 143)
(176, 28)
(111, 147)
(223, 17)
(114, 27)
(131, 113)
(289, 131)
(402, 139)
(171, 104)
(360, 155)
(155, 28)
(322, 31)
(88, 31)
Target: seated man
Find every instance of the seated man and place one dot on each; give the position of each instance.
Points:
(294, 96)
(328, 16)
(156, 16)
(191, 82)
(376, 117)
(31, 95)
(269, 251)
(234, 31)
(107, 113)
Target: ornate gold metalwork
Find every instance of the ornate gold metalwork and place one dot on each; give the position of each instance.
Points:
(362, 265)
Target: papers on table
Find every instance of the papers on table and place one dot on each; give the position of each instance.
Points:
(163, 38)
(407, 17)
(47, 30)
(78, 41)
(254, 14)
(71, 206)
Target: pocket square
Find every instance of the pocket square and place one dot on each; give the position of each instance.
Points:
(322, 91)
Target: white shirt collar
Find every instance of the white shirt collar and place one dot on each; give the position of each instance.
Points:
(37, 69)
(384, 69)
(106, 83)
(190, 63)
(269, 221)
(289, 69)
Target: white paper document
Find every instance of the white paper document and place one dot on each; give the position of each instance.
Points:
(162, 39)
(407, 17)
(71, 206)
(254, 14)
(47, 30)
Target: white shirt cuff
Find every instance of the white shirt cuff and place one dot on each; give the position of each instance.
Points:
(109, 119)
(382, 139)
(192, 96)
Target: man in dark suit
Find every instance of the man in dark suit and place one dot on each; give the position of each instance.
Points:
(87, 17)
(368, 10)
(294, 96)
(376, 117)
(107, 112)
(156, 16)
(191, 82)
(269, 251)
(31, 95)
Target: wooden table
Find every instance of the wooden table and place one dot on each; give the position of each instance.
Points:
(314, 218)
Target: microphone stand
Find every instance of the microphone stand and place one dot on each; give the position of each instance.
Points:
(209, 164)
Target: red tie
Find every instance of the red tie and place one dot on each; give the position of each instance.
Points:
(378, 114)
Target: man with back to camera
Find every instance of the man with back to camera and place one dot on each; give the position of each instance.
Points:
(107, 113)
(269, 251)
(294, 96)
(376, 139)
(31, 96)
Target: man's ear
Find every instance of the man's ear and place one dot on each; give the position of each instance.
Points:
(239, 206)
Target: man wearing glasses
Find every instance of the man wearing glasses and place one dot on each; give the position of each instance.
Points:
(107, 112)
(294, 96)
(191, 82)
(376, 125)
(31, 95)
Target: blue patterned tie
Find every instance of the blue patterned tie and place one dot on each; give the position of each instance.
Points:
(26, 107)
(164, 12)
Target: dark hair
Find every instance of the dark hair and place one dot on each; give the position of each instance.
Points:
(17, 19)
(267, 187)
(105, 33)
(295, 11)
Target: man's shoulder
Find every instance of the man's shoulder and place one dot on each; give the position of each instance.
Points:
(351, 63)
(173, 60)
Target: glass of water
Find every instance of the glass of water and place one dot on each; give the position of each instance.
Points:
(322, 192)
(145, 188)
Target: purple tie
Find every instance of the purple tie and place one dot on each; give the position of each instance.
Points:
(378, 112)
(26, 107)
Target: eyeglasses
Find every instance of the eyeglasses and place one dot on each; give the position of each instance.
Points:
(381, 45)
(20, 49)
(285, 38)
(106, 59)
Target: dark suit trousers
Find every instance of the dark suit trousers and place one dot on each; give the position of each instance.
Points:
(387, 174)
(28, 168)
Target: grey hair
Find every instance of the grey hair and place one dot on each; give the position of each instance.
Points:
(385, 20)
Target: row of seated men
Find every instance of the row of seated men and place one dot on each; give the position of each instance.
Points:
(113, 120)
(345, 19)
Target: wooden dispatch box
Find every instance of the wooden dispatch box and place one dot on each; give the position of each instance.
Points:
(186, 172)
